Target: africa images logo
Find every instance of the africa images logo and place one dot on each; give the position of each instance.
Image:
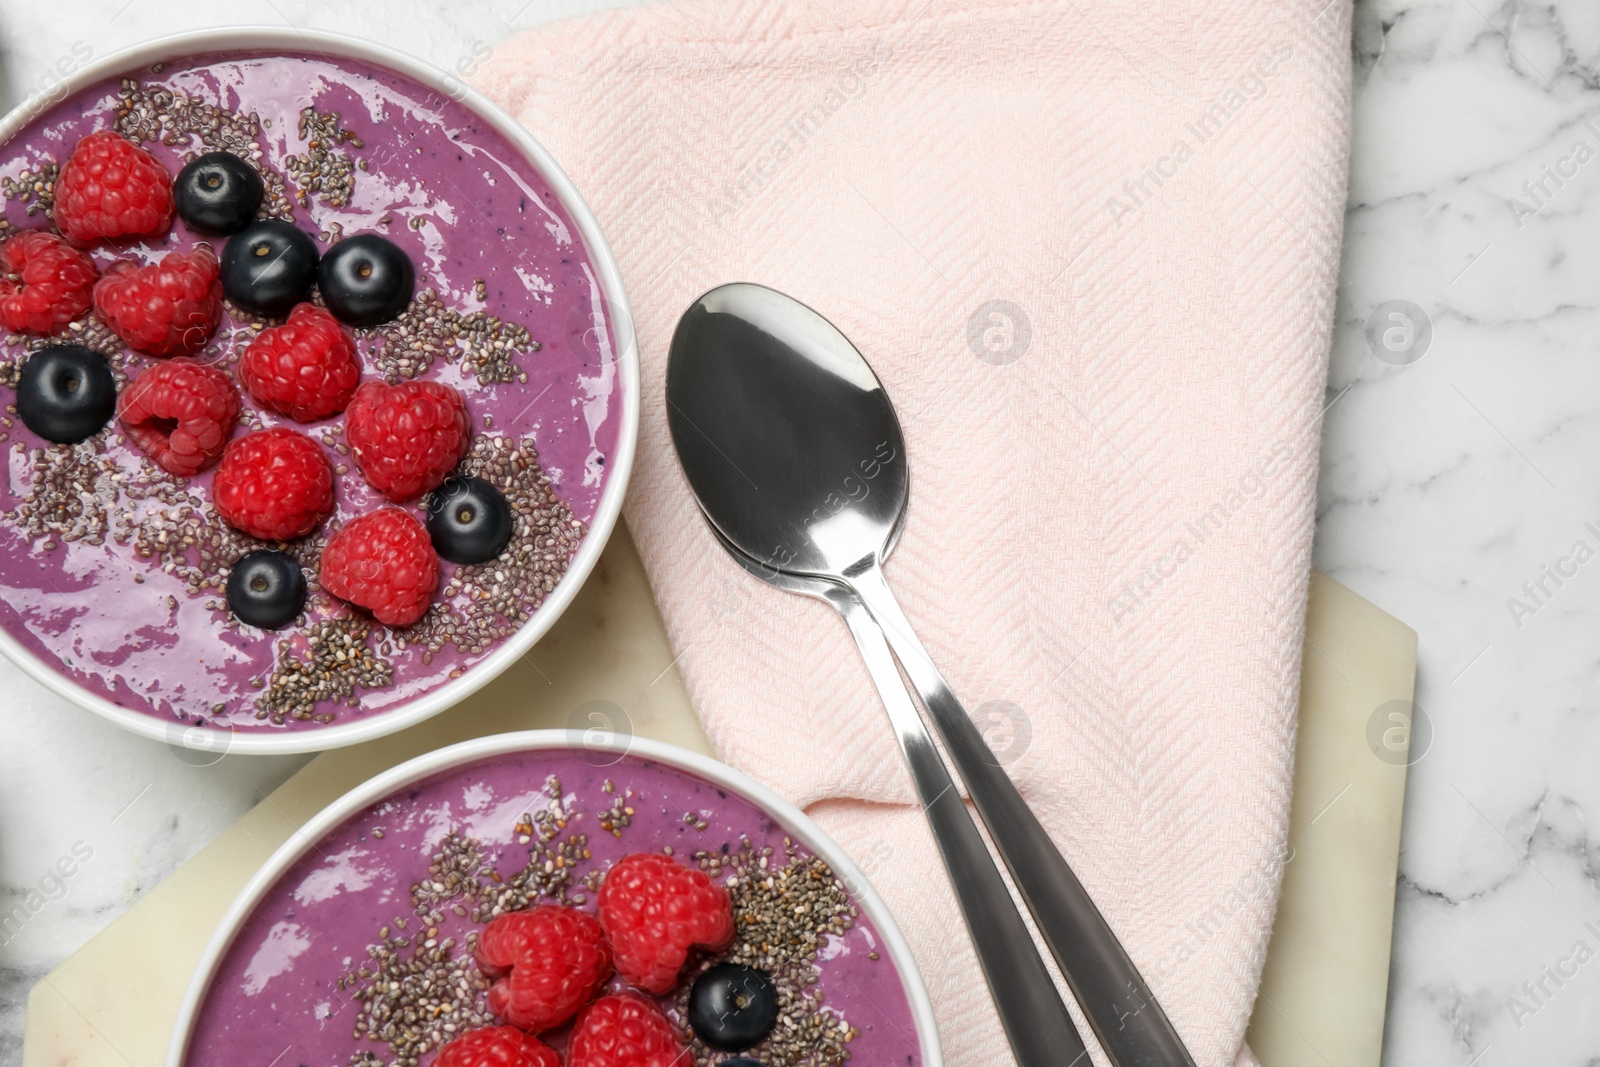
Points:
(1136, 592)
(1197, 132)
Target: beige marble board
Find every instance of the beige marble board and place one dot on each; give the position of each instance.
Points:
(1327, 969)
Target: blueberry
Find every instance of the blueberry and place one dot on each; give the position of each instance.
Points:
(366, 280)
(266, 589)
(740, 1061)
(268, 267)
(732, 1007)
(218, 193)
(469, 521)
(66, 393)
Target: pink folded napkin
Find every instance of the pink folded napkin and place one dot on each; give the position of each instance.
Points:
(1090, 246)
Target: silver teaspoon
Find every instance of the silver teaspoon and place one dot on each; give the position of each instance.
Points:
(794, 452)
(1035, 1021)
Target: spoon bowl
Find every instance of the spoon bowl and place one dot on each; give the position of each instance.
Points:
(787, 436)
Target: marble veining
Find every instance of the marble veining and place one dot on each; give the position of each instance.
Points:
(1459, 492)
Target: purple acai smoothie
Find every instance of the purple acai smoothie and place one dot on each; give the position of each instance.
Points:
(379, 918)
(112, 571)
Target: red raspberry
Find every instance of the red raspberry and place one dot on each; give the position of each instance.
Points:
(384, 562)
(163, 309)
(625, 1030)
(407, 438)
(274, 484)
(549, 962)
(110, 187)
(496, 1046)
(306, 369)
(46, 283)
(655, 910)
(180, 413)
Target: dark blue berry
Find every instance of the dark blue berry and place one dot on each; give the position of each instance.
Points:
(65, 393)
(732, 1007)
(266, 589)
(217, 193)
(268, 267)
(469, 520)
(740, 1061)
(366, 280)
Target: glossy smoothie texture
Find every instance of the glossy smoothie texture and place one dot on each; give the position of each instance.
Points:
(277, 987)
(484, 231)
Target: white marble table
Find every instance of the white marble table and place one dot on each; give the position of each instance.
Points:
(1447, 484)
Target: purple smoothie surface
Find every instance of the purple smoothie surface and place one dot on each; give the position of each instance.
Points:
(282, 988)
(484, 230)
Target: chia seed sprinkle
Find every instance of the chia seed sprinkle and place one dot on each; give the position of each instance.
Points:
(95, 335)
(324, 662)
(620, 815)
(418, 997)
(35, 188)
(253, 323)
(88, 331)
(784, 914)
(74, 492)
(414, 992)
(418, 993)
(485, 602)
(325, 170)
(157, 113)
(486, 345)
(182, 519)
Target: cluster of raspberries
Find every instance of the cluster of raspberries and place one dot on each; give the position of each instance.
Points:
(274, 484)
(550, 962)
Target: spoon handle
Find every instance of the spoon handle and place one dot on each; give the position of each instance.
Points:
(1035, 1020)
(1124, 1014)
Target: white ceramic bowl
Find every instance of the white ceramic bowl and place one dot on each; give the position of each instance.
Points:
(791, 818)
(619, 463)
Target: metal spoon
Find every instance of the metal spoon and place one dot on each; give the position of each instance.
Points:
(1031, 1012)
(795, 454)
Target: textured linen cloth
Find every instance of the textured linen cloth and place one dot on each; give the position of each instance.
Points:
(1090, 246)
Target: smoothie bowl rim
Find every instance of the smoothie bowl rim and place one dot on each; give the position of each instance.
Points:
(615, 308)
(385, 784)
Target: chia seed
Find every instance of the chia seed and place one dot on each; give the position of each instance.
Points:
(34, 188)
(157, 113)
(486, 345)
(74, 492)
(325, 170)
(620, 815)
(325, 662)
(784, 913)
(415, 992)
(418, 997)
(96, 336)
(486, 602)
(183, 521)
(88, 331)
